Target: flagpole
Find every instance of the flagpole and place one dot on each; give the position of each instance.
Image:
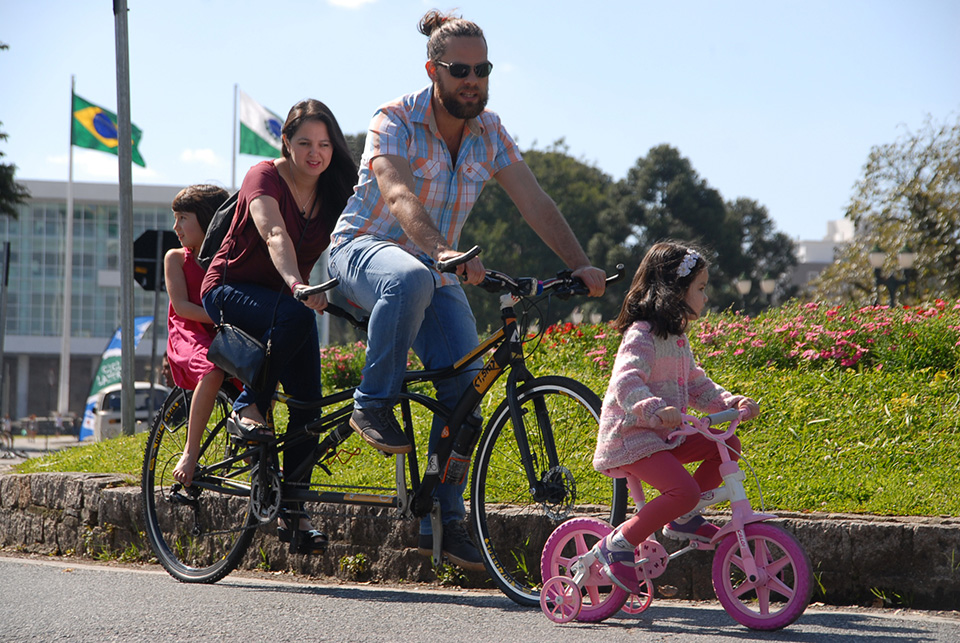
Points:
(63, 397)
(233, 140)
(124, 153)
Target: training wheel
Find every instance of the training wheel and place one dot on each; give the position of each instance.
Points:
(560, 599)
(636, 603)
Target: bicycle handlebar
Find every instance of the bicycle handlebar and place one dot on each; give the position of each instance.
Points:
(333, 309)
(450, 265)
(564, 285)
(304, 293)
(693, 424)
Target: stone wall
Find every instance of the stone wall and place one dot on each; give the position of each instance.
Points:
(857, 560)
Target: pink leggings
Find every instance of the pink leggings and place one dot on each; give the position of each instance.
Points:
(679, 491)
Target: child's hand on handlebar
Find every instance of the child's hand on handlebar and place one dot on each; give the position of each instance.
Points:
(670, 417)
(748, 408)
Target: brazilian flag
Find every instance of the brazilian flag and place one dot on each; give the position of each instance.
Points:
(96, 128)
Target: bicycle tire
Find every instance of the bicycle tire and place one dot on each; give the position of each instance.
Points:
(599, 598)
(512, 527)
(197, 535)
(783, 594)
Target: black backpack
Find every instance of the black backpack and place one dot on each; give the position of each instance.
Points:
(217, 230)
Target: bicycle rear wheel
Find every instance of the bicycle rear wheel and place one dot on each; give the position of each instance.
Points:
(512, 517)
(201, 532)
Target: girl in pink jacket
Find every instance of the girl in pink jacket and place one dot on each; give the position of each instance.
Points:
(656, 379)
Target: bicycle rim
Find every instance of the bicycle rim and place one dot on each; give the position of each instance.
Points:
(783, 591)
(198, 535)
(512, 526)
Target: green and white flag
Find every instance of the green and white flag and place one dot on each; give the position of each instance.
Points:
(260, 129)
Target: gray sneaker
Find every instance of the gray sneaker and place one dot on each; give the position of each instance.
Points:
(380, 429)
(457, 546)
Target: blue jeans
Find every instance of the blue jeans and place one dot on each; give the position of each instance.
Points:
(408, 309)
(294, 354)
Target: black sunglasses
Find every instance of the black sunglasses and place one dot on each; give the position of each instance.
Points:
(462, 70)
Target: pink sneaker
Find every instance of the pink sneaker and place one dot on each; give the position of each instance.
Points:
(620, 565)
(697, 528)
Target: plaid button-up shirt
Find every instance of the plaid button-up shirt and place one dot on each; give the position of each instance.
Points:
(407, 128)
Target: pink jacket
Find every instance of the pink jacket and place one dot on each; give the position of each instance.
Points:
(649, 374)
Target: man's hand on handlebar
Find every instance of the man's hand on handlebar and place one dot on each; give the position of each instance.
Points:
(472, 272)
(593, 278)
(316, 302)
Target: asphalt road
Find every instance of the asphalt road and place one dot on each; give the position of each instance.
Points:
(56, 600)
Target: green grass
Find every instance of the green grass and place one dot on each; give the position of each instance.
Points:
(859, 407)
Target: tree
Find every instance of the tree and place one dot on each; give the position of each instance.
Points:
(909, 195)
(355, 143)
(664, 197)
(11, 192)
(764, 253)
(584, 195)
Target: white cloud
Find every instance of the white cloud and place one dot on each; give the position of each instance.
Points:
(201, 157)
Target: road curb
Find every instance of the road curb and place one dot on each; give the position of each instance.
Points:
(856, 559)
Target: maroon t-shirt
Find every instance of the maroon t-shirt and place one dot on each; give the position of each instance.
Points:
(244, 252)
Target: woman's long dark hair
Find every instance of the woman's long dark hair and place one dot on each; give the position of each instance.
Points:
(335, 184)
(658, 292)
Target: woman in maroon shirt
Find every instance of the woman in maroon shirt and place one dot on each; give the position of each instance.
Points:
(285, 211)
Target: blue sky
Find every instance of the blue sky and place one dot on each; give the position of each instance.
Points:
(777, 101)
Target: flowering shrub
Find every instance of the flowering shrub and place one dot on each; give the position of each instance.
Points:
(340, 366)
(816, 336)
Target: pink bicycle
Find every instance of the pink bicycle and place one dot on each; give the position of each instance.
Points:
(761, 574)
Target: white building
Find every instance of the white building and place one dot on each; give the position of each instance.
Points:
(814, 256)
(31, 363)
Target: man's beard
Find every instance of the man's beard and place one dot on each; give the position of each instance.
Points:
(451, 102)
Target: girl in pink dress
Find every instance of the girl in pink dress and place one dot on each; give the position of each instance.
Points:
(189, 329)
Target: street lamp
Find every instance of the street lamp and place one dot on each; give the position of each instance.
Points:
(905, 260)
(576, 316)
(743, 285)
(767, 285)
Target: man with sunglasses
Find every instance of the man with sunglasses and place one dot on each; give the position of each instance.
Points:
(427, 157)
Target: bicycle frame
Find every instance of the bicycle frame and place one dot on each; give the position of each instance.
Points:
(507, 354)
(732, 490)
(525, 463)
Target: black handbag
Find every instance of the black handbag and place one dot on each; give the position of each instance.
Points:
(240, 354)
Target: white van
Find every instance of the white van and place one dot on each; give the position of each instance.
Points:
(106, 413)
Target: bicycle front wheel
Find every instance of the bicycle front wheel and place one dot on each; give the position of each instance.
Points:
(513, 515)
(784, 583)
(201, 532)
